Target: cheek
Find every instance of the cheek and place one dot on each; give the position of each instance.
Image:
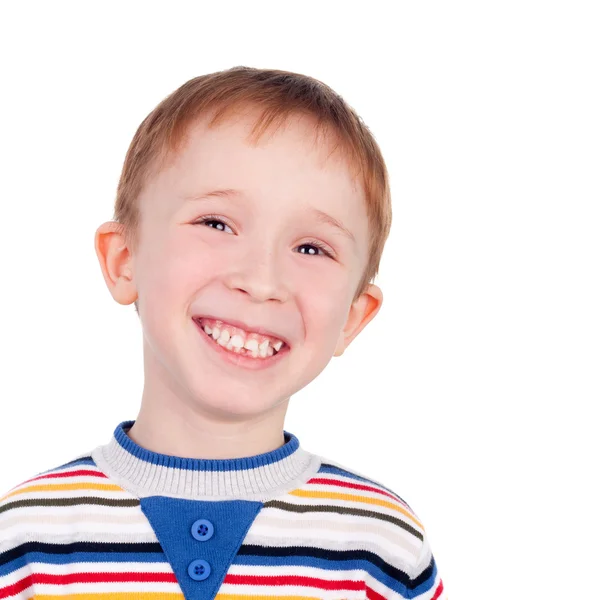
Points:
(160, 272)
(181, 273)
(325, 312)
(165, 275)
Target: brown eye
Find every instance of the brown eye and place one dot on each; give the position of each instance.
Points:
(318, 245)
(210, 219)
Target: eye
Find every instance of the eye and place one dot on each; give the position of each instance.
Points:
(318, 245)
(312, 244)
(210, 219)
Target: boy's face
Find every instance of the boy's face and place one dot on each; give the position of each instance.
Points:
(259, 266)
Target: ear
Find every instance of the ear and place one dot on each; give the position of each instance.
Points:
(363, 309)
(116, 261)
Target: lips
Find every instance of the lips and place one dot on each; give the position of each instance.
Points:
(241, 325)
(241, 360)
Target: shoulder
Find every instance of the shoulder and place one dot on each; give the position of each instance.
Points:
(33, 505)
(380, 510)
(389, 533)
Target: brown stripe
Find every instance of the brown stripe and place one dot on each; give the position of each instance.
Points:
(343, 510)
(310, 525)
(83, 500)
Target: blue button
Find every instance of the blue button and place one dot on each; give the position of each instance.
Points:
(199, 569)
(202, 530)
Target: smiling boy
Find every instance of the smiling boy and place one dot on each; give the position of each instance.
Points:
(251, 215)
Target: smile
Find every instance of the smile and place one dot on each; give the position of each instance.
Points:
(242, 357)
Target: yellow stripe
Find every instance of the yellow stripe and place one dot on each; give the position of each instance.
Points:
(163, 596)
(355, 498)
(112, 596)
(278, 596)
(59, 487)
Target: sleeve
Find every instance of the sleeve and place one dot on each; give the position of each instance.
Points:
(16, 577)
(426, 582)
(15, 572)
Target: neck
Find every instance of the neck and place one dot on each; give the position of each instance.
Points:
(167, 432)
(171, 422)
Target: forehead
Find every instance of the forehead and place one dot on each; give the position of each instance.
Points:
(291, 170)
(294, 147)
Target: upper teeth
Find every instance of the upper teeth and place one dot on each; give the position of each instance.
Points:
(242, 339)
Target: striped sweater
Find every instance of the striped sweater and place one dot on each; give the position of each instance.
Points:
(122, 522)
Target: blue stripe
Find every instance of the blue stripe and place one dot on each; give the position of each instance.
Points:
(205, 464)
(73, 557)
(79, 462)
(429, 582)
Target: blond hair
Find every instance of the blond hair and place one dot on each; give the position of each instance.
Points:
(279, 94)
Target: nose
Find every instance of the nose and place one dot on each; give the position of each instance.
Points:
(257, 274)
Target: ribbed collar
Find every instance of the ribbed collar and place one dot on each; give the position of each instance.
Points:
(146, 473)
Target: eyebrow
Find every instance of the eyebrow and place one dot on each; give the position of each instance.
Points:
(322, 216)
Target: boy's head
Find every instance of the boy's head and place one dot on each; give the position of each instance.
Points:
(247, 195)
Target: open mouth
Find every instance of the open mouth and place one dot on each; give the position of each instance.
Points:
(236, 350)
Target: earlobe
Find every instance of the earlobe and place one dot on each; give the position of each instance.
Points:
(361, 312)
(115, 262)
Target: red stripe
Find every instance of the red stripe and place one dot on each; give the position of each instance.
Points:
(77, 473)
(356, 486)
(373, 595)
(55, 475)
(26, 582)
(323, 584)
(438, 592)
(105, 577)
(51, 579)
(15, 588)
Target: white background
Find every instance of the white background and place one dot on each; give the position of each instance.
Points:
(473, 393)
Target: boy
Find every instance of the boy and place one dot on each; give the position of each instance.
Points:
(250, 217)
